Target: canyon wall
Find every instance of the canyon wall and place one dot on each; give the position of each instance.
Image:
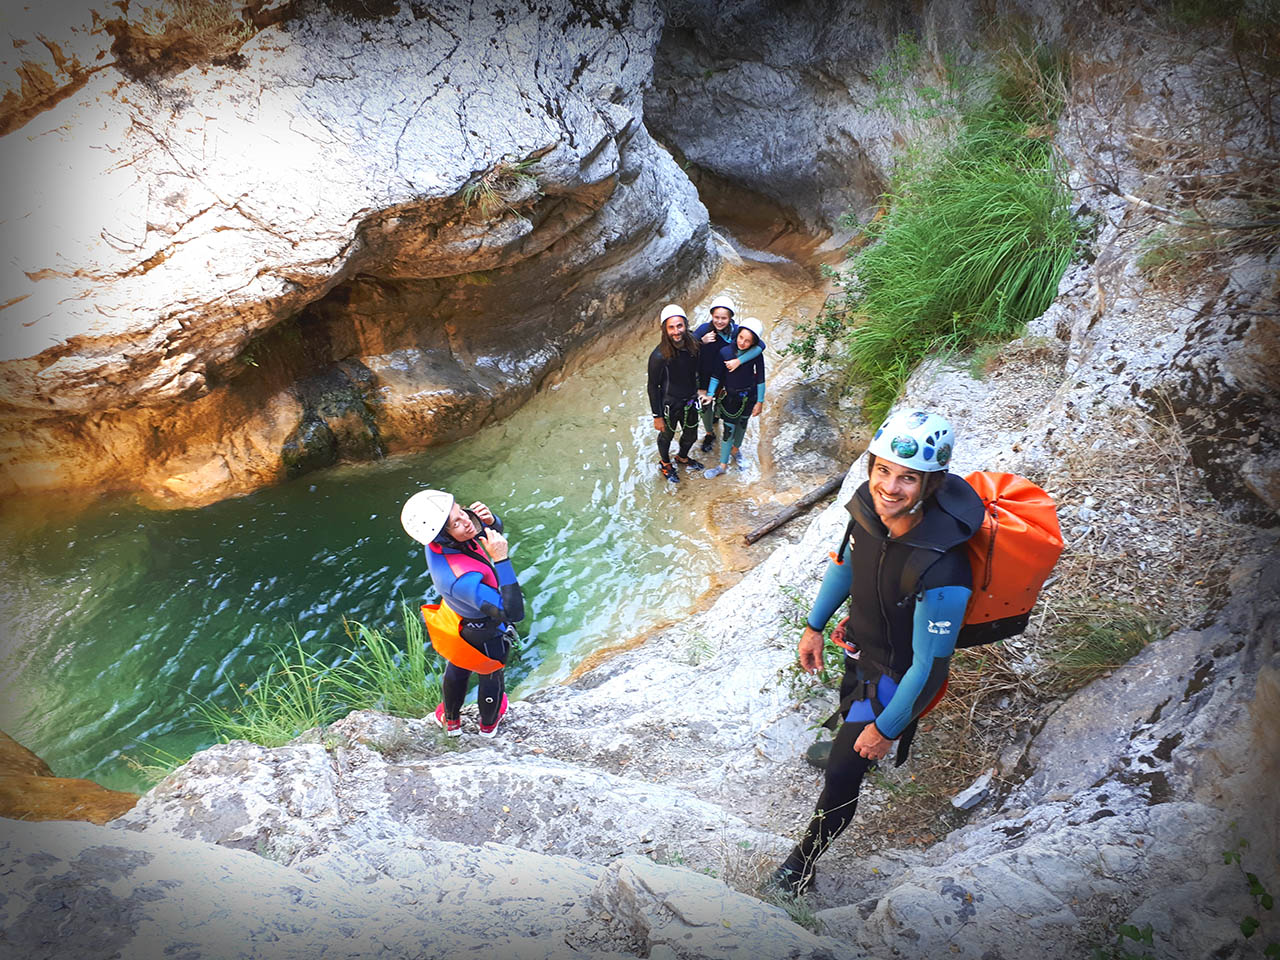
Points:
(352, 236)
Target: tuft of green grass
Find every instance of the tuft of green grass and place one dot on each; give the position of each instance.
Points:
(501, 187)
(378, 675)
(155, 765)
(289, 699)
(978, 234)
(798, 909)
(297, 693)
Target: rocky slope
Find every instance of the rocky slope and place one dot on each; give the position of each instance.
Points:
(589, 826)
(354, 236)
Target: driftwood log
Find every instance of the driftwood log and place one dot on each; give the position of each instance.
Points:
(797, 508)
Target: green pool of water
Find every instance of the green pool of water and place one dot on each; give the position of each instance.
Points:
(117, 619)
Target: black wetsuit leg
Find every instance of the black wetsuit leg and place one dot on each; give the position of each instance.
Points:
(688, 430)
(490, 640)
(839, 798)
(453, 689)
(670, 413)
(677, 414)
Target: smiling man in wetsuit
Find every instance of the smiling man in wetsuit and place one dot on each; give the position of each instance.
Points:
(911, 515)
(673, 391)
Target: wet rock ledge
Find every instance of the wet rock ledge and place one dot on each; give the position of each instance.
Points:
(354, 237)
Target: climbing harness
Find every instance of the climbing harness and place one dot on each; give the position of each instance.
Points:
(744, 404)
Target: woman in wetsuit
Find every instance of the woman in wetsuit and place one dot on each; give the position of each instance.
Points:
(911, 515)
(740, 396)
(714, 335)
(469, 566)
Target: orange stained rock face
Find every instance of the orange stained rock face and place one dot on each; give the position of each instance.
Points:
(30, 791)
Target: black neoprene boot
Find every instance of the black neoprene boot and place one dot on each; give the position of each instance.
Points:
(793, 878)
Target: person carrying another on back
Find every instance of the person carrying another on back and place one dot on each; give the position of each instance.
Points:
(481, 601)
(673, 391)
(720, 331)
(741, 393)
(909, 509)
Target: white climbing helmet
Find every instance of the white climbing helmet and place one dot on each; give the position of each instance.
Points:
(915, 439)
(425, 514)
(755, 326)
(672, 310)
(723, 301)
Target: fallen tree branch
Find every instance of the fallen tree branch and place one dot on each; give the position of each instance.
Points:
(797, 508)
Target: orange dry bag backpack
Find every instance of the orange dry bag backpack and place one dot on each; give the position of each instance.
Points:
(443, 627)
(1012, 555)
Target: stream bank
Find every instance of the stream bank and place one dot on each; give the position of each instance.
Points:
(169, 610)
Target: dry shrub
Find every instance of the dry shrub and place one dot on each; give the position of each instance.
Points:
(1195, 113)
(163, 38)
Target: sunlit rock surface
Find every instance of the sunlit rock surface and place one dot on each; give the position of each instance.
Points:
(354, 237)
(31, 791)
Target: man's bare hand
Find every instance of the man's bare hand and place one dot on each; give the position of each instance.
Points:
(810, 650)
(871, 744)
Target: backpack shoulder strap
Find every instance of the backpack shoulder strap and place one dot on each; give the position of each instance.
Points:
(913, 571)
(838, 556)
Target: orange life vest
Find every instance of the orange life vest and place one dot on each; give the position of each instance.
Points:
(444, 624)
(443, 628)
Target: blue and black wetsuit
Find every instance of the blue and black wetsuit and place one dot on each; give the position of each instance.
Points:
(711, 364)
(743, 389)
(487, 598)
(905, 634)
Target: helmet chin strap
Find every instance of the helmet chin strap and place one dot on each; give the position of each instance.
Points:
(916, 508)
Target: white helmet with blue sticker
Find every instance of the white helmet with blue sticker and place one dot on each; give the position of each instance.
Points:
(915, 439)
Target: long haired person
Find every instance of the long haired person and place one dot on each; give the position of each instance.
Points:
(673, 391)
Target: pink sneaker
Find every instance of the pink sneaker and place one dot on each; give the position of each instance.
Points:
(502, 712)
(452, 727)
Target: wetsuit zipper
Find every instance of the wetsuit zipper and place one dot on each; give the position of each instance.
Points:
(884, 618)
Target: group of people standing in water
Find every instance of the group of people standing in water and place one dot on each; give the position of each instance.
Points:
(714, 373)
(897, 649)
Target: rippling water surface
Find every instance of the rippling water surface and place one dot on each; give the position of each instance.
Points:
(118, 619)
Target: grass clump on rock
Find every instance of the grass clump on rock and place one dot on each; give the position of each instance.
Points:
(298, 693)
(977, 234)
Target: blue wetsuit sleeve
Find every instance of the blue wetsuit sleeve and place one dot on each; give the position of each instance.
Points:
(938, 618)
(751, 354)
(472, 591)
(506, 603)
(760, 382)
(834, 591)
(713, 385)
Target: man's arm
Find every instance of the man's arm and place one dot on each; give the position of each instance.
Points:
(833, 592)
(938, 618)
(656, 365)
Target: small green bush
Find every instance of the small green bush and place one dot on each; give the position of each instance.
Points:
(297, 693)
(978, 234)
